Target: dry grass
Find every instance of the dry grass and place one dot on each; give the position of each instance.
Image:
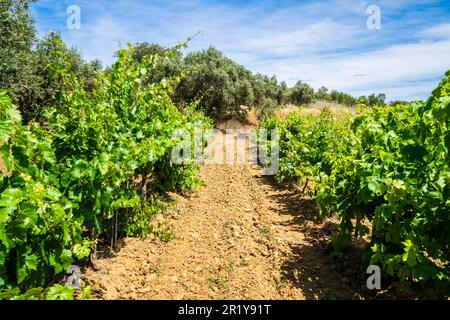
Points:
(316, 108)
(250, 121)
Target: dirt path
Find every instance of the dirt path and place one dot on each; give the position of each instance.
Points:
(238, 237)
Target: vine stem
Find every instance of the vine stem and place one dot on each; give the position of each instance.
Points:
(305, 186)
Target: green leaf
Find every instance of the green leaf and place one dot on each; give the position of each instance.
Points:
(107, 197)
(28, 216)
(52, 194)
(98, 202)
(81, 251)
(9, 294)
(21, 273)
(3, 276)
(32, 294)
(103, 163)
(31, 261)
(4, 238)
(5, 158)
(447, 141)
(3, 215)
(10, 197)
(374, 185)
(399, 184)
(59, 292)
(86, 293)
(66, 258)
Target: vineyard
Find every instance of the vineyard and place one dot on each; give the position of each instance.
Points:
(88, 180)
(90, 172)
(384, 172)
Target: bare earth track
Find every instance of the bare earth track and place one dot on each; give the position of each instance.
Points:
(239, 236)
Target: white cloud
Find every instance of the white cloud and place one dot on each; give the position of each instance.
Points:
(392, 70)
(308, 39)
(441, 31)
(323, 42)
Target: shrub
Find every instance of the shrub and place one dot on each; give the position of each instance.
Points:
(218, 84)
(302, 93)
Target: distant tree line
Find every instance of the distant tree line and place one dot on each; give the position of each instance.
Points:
(349, 100)
(216, 83)
(221, 86)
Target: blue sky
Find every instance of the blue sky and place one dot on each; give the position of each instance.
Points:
(320, 42)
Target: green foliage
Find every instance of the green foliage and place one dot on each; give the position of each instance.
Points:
(47, 87)
(86, 292)
(342, 98)
(59, 292)
(396, 102)
(373, 100)
(388, 166)
(219, 84)
(266, 107)
(34, 231)
(302, 93)
(397, 177)
(169, 66)
(335, 96)
(308, 145)
(54, 292)
(17, 60)
(25, 60)
(102, 155)
(14, 294)
(265, 87)
(141, 50)
(322, 94)
(348, 100)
